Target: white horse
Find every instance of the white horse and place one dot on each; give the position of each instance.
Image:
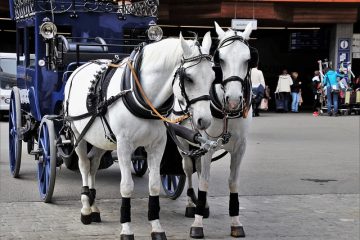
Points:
(233, 55)
(160, 79)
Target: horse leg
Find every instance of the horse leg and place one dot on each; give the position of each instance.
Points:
(196, 230)
(154, 157)
(237, 229)
(124, 152)
(95, 156)
(84, 166)
(191, 196)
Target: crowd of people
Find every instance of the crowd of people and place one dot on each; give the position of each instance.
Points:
(328, 84)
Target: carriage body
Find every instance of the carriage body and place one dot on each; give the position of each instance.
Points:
(84, 30)
(43, 85)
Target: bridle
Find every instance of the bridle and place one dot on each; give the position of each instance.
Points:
(245, 82)
(181, 73)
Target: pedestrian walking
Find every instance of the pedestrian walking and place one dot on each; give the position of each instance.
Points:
(283, 89)
(295, 92)
(316, 89)
(331, 83)
(258, 88)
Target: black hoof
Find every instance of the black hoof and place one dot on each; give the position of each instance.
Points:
(127, 237)
(158, 236)
(237, 231)
(190, 212)
(95, 216)
(206, 213)
(196, 232)
(86, 219)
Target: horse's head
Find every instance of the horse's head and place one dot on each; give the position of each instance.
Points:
(193, 80)
(233, 59)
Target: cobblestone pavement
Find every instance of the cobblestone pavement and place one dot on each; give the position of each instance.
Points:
(305, 217)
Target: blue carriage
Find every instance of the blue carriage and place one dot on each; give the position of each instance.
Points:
(54, 37)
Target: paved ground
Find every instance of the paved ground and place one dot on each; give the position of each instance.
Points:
(300, 180)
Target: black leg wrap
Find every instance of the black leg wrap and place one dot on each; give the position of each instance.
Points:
(125, 215)
(91, 193)
(234, 205)
(191, 193)
(206, 212)
(200, 205)
(85, 190)
(92, 196)
(154, 208)
(190, 212)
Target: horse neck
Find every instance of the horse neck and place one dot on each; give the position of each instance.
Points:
(160, 61)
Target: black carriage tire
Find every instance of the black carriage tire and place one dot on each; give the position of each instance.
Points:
(15, 144)
(47, 197)
(179, 189)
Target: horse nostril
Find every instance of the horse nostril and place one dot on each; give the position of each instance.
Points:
(203, 123)
(227, 99)
(200, 121)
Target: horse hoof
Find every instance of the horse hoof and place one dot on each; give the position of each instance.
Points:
(86, 219)
(237, 231)
(158, 236)
(127, 237)
(206, 213)
(190, 212)
(95, 217)
(196, 232)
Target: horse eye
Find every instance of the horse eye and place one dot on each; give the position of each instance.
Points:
(189, 80)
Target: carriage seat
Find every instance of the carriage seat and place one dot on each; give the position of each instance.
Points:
(67, 45)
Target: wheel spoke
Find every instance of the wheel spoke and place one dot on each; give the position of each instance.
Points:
(175, 181)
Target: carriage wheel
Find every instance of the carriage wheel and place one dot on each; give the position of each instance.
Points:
(138, 159)
(173, 185)
(15, 142)
(47, 160)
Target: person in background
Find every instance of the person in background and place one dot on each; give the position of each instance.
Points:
(283, 88)
(316, 87)
(258, 88)
(295, 92)
(330, 82)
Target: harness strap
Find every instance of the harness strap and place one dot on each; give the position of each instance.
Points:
(179, 119)
(98, 112)
(233, 79)
(195, 153)
(201, 98)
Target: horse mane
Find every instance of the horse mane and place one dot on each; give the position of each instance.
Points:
(167, 53)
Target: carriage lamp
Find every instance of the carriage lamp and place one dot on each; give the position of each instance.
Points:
(48, 30)
(41, 62)
(154, 32)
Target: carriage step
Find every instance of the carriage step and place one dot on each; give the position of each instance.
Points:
(36, 153)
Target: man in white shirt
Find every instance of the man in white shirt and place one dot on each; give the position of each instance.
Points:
(258, 88)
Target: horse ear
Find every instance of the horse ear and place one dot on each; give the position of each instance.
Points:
(206, 43)
(247, 31)
(219, 30)
(185, 47)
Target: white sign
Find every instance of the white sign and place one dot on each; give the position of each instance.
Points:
(240, 24)
(344, 44)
